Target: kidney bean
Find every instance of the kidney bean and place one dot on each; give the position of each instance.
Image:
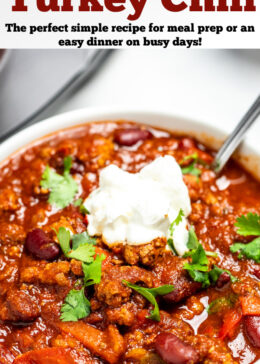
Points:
(77, 167)
(223, 279)
(186, 143)
(252, 328)
(129, 137)
(41, 246)
(256, 272)
(173, 350)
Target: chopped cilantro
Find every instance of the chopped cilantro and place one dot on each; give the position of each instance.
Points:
(76, 306)
(193, 157)
(82, 208)
(199, 259)
(193, 241)
(82, 245)
(92, 271)
(216, 272)
(175, 223)
(250, 250)
(67, 162)
(64, 239)
(199, 268)
(150, 294)
(62, 188)
(85, 253)
(171, 246)
(78, 202)
(81, 239)
(248, 225)
(211, 254)
(191, 169)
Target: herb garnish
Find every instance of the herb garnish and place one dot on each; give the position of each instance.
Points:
(82, 245)
(92, 271)
(82, 208)
(216, 272)
(81, 239)
(248, 225)
(150, 294)
(193, 241)
(175, 223)
(76, 306)
(199, 269)
(63, 188)
(250, 250)
(191, 169)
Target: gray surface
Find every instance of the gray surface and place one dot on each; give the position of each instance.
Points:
(31, 78)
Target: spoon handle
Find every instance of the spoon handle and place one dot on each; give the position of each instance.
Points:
(233, 141)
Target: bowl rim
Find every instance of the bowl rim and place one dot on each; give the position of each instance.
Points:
(212, 136)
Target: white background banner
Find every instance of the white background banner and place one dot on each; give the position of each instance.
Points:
(163, 24)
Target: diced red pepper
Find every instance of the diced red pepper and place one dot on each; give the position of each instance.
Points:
(250, 305)
(231, 320)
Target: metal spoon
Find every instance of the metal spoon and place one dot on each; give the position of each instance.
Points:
(233, 141)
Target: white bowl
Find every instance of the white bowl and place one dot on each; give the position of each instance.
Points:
(248, 155)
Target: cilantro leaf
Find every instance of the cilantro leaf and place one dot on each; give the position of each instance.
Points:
(62, 188)
(193, 241)
(150, 294)
(248, 225)
(199, 259)
(82, 245)
(198, 269)
(64, 239)
(67, 162)
(84, 252)
(92, 271)
(76, 306)
(171, 246)
(81, 239)
(50, 178)
(250, 250)
(197, 276)
(216, 272)
(191, 169)
(175, 223)
(193, 157)
(82, 208)
(78, 202)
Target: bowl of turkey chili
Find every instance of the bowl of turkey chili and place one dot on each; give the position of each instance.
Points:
(72, 292)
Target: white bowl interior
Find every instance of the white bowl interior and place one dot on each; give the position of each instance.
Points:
(248, 156)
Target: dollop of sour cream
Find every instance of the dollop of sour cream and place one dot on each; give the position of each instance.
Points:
(136, 208)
